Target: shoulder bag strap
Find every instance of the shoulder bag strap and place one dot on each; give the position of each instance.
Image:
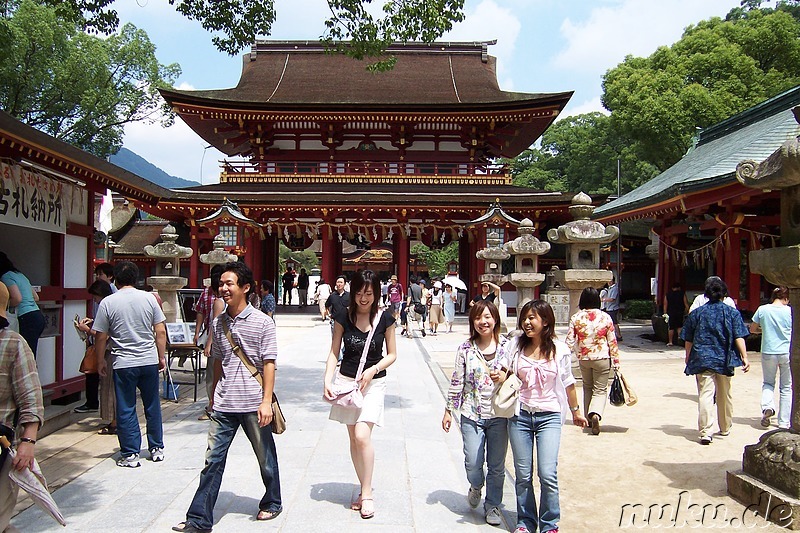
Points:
(480, 356)
(367, 344)
(240, 353)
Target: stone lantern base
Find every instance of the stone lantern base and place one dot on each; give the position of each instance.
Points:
(769, 481)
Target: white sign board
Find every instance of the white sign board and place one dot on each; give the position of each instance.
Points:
(32, 200)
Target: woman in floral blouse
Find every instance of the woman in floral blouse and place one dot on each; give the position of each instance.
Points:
(591, 336)
(479, 365)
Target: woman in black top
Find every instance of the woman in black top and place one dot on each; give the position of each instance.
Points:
(352, 328)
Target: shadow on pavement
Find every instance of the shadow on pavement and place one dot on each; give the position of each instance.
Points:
(456, 503)
(696, 477)
(337, 493)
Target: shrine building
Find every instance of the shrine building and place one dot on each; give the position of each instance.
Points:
(323, 152)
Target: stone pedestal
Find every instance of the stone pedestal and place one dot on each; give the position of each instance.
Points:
(575, 280)
(770, 478)
(167, 288)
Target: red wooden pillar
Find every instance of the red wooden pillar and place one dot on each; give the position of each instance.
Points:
(402, 251)
(329, 255)
(732, 252)
(270, 253)
(194, 242)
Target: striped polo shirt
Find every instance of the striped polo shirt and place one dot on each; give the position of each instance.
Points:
(238, 391)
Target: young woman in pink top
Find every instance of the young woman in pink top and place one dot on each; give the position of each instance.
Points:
(546, 397)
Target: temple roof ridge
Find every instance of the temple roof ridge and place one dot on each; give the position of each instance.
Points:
(439, 47)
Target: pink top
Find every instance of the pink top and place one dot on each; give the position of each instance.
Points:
(538, 389)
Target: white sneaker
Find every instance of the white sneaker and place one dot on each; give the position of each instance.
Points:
(129, 461)
(474, 497)
(493, 517)
(157, 455)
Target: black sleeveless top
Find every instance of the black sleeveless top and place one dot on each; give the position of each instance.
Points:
(354, 339)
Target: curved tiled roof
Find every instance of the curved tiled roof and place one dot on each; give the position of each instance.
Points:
(752, 134)
(280, 73)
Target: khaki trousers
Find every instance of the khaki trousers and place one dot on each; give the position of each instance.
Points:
(711, 385)
(8, 497)
(594, 374)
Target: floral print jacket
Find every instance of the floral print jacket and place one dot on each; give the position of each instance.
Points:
(591, 335)
(471, 387)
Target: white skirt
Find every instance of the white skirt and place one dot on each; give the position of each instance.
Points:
(371, 410)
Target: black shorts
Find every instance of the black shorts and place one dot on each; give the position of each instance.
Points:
(675, 320)
(613, 314)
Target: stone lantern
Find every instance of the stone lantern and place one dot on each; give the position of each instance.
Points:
(582, 238)
(493, 256)
(167, 280)
(770, 476)
(526, 250)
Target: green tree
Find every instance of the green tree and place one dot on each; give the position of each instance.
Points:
(436, 259)
(717, 69)
(302, 259)
(77, 87)
(580, 153)
(240, 21)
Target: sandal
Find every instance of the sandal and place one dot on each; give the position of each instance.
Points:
(364, 511)
(268, 515)
(355, 505)
(108, 430)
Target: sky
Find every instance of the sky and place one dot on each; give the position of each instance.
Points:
(542, 46)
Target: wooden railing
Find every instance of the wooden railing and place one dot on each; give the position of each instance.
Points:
(382, 168)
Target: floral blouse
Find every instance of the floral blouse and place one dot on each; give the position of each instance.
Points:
(471, 387)
(591, 335)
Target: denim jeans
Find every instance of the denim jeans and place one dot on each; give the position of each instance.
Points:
(486, 438)
(545, 429)
(31, 326)
(222, 429)
(770, 363)
(126, 381)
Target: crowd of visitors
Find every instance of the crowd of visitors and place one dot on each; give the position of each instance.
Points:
(238, 335)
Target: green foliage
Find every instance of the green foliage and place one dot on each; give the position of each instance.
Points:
(717, 69)
(240, 21)
(368, 36)
(77, 87)
(580, 153)
(302, 259)
(642, 309)
(436, 260)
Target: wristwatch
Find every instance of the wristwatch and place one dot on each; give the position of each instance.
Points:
(574, 409)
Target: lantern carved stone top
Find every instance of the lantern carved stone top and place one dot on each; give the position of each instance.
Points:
(493, 249)
(526, 243)
(582, 230)
(218, 256)
(168, 248)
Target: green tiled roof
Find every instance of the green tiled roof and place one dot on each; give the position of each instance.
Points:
(752, 134)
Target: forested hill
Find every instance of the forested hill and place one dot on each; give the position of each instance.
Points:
(140, 166)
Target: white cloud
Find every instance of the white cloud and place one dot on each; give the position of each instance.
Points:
(176, 150)
(587, 106)
(488, 21)
(635, 27)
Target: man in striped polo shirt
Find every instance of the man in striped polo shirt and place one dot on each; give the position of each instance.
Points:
(239, 399)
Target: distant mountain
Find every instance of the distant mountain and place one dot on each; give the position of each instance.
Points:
(141, 167)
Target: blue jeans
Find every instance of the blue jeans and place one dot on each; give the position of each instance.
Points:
(222, 429)
(31, 326)
(770, 363)
(545, 430)
(126, 381)
(486, 438)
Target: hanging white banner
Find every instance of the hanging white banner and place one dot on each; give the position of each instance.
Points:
(31, 199)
